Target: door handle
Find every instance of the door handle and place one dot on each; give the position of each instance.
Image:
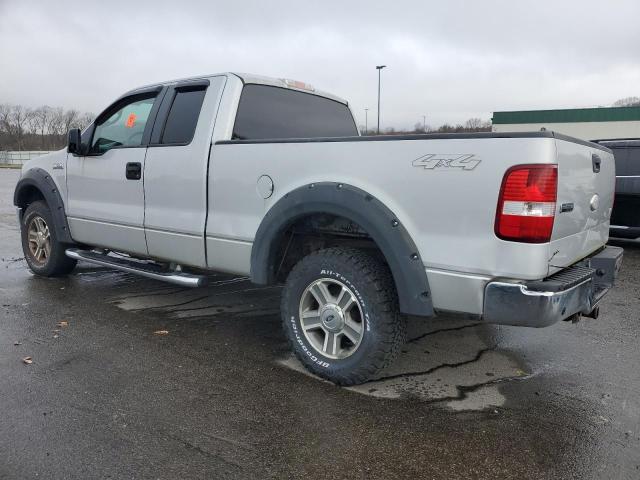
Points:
(134, 171)
(595, 162)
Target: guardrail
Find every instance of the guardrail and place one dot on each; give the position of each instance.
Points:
(19, 157)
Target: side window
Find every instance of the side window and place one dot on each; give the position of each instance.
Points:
(183, 116)
(124, 127)
(266, 112)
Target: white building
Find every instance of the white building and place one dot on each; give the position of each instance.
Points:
(585, 123)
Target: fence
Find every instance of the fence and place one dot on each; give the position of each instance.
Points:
(18, 158)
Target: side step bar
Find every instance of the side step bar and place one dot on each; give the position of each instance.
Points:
(149, 270)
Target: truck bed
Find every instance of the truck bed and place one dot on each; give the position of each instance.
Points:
(449, 211)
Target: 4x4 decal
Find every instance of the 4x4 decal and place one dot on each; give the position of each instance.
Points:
(440, 161)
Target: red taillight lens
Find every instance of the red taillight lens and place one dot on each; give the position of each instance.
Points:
(527, 203)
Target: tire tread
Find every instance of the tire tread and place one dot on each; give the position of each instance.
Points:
(391, 326)
(59, 264)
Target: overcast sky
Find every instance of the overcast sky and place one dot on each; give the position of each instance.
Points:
(449, 60)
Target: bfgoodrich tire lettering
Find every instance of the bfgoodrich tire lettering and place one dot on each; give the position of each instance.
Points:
(362, 352)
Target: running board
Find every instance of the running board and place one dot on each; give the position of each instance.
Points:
(149, 270)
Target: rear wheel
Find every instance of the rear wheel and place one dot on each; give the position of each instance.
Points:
(340, 313)
(44, 254)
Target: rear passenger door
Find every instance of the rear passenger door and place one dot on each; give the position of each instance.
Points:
(176, 169)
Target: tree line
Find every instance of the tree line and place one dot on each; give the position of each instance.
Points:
(471, 125)
(45, 128)
(42, 128)
(627, 102)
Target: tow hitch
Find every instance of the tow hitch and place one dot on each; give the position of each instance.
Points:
(575, 318)
(593, 313)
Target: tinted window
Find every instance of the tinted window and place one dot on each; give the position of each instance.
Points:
(183, 116)
(627, 160)
(124, 127)
(272, 112)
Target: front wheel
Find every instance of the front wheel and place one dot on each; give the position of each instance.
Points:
(44, 254)
(340, 314)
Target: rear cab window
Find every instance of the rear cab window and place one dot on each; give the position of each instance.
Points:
(267, 112)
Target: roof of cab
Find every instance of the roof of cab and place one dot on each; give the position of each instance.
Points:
(282, 83)
(253, 79)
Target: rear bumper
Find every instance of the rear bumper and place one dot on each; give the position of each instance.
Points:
(575, 290)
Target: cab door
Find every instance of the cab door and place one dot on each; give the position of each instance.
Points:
(177, 171)
(105, 188)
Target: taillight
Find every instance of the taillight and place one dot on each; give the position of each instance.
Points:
(527, 203)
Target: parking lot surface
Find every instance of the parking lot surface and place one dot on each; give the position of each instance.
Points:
(133, 378)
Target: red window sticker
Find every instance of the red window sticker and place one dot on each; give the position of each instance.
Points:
(131, 120)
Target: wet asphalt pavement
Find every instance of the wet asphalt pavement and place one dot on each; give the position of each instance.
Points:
(218, 396)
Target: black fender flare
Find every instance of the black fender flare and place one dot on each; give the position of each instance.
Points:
(368, 212)
(41, 180)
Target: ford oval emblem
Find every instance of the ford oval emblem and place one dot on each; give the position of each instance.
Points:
(594, 203)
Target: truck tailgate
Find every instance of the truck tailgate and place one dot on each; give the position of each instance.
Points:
(586, 184)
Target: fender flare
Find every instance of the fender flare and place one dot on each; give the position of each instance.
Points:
(368, 212)
(39, 179)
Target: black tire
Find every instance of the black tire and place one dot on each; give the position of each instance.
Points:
(371, 284)
(56, 262)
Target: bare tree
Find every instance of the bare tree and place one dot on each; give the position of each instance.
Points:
(627, 102)
(5, 114)
(32, 125)
(473, 124)
(84, 120)
(70, 117)
(43, 128)
(446, 128)
(56, 121)
(40, 118)
(17, 124)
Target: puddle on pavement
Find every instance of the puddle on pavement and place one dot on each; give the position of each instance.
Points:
(225, 295)
(445, 361)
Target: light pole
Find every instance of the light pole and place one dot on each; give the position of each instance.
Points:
(379, 68)
(424, 123)
(366, 120)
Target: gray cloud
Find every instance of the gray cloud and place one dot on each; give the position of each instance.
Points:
(449, 60)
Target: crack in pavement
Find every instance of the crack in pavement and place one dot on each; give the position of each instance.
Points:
(476, 358)
(13, 260)
(453, 329)
(213, 305)
(192, 446)
(162, 307)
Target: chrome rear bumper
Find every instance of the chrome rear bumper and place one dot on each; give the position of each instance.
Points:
(575, 290)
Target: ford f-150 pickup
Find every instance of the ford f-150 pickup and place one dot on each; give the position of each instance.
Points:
(271, 179)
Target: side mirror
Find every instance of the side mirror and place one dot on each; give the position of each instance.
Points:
(74, 145)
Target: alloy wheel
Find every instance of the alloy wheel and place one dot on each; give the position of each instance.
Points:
(331, 318)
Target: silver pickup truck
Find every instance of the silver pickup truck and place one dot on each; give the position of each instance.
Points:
(270, 178)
